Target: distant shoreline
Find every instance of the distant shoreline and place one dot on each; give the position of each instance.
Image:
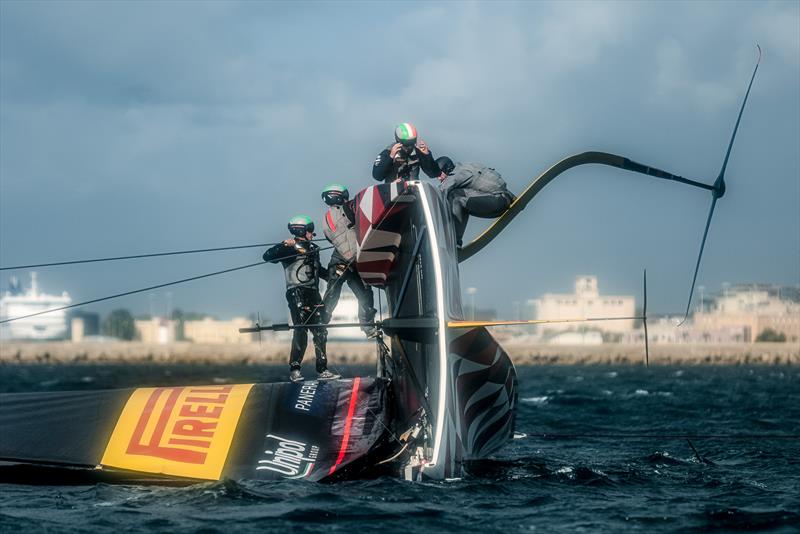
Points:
(364, 353)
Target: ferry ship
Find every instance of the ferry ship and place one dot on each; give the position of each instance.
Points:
(16, 303)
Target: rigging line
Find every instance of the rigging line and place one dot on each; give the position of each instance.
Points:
(615, 435)
(142, 290)
(473, 324)
(136, 256)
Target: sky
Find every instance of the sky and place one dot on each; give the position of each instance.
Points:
(137, 127)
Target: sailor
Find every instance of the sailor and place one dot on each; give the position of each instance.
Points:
(340, 231)
(301, 265)
(472, 189)
(403, 159)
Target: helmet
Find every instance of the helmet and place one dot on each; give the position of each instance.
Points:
(406, 134)
(299, 225)
(335, 194)
(446, 165)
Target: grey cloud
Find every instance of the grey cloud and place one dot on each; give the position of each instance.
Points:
(130, 126)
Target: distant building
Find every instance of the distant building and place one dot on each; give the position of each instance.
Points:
(749, 311)
(665, 329)
(212, 331)
(16, 303)
(84, 325)
(77, 329)
(157, 330)
(586, 302)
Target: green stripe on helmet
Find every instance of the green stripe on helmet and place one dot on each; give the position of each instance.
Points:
(300, 220)
(405, 131)
(335, 187)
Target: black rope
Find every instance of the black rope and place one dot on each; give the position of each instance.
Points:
(667, 436)
(136, 256)
(150, 288)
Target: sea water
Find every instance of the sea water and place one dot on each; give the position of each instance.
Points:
(570, 472)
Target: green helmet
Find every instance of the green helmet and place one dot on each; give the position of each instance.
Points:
(299, 225)
(335, 194)
(406, 134)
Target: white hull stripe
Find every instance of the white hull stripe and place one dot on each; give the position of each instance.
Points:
(442, 337)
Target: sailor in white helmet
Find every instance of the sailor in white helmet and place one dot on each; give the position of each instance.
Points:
(339, 230)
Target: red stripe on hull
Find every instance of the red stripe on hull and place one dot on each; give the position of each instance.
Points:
(347, 424)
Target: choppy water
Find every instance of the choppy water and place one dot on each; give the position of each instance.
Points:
(535, 483)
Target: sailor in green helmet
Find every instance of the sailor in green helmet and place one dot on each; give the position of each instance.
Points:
(302, 268)
(339, 230)
(403, 159)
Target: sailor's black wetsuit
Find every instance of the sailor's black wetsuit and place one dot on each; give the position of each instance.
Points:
(340, 232)
(405, 166)
(303, 270)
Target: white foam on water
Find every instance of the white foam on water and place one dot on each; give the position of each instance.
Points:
(536, 400)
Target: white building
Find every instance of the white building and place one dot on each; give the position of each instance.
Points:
(213, 331)
(157, 330)
(749, 312)
(585, 303)
(346, 312)
(15, 303)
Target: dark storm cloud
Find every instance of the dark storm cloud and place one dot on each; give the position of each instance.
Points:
(130, 127)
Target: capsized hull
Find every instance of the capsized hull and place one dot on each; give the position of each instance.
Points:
(316, 430)
(445, 396)
(457, 385)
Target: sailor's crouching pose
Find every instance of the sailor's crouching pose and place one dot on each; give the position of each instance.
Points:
(300, 259)
(340, 231)
(472, 189)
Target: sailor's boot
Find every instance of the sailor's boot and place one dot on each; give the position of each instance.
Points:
(327, 375)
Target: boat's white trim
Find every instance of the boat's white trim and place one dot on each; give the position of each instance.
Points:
(440, 313)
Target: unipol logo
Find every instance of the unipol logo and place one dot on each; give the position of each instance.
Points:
(184, 431)
(292, 459)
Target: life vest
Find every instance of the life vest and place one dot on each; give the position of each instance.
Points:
(303, 270)
(408, 160)
(340, 231)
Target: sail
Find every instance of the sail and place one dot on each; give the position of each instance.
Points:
(314, 430)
